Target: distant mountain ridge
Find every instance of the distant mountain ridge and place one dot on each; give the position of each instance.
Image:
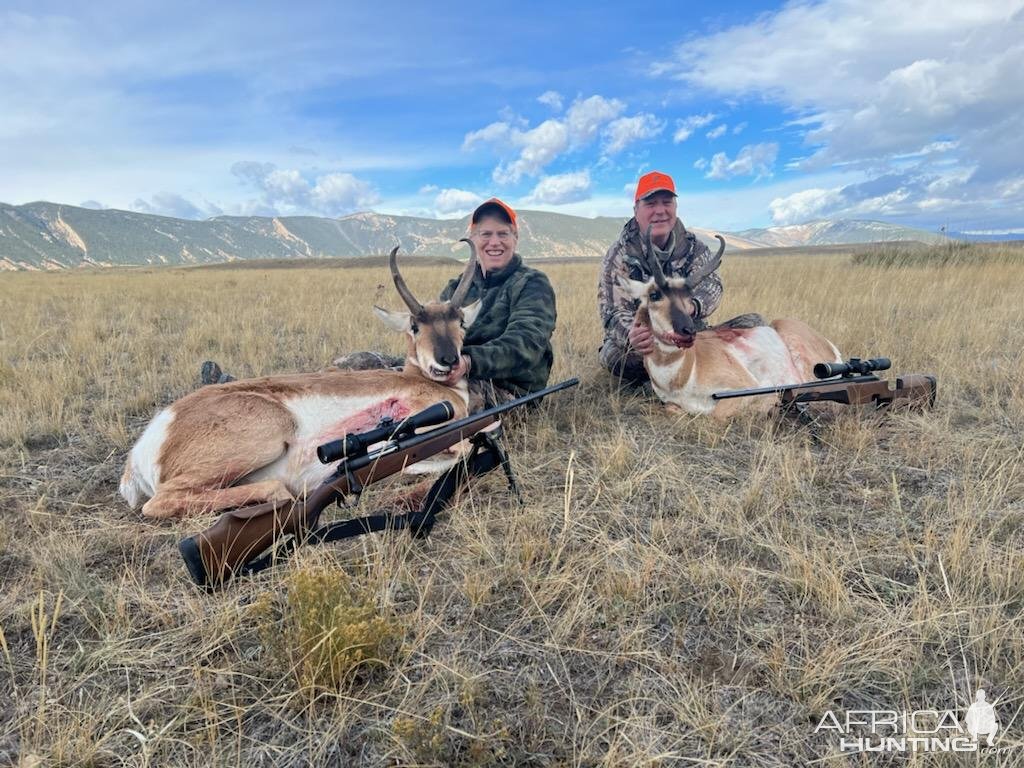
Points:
(838, 232)
(52, 236)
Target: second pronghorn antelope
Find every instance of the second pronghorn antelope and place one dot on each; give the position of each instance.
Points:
(688, 365)
(254, 440)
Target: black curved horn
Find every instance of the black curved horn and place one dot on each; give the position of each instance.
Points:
(459, 295)
(698, 276)
(652, 261)
(403, 290)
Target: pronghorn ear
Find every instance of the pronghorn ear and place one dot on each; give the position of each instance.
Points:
(469, 313)
(396, 321)
(633, 288)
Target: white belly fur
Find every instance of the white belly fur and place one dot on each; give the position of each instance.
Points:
(762, 354)
(766, 357)
(299, 468)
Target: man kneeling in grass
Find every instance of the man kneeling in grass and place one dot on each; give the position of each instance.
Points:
(627, 340)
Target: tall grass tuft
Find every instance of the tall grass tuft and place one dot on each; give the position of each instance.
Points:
(322, 630)
(954, 253)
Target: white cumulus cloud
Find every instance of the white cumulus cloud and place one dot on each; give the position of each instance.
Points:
(752, 160)
(449, 201)
(902, 195)
(527, 151)
(289, 191)
(285, 185)
(586, 116)
(540, 146)
(686, 126)
(805, 205)
(495, 133)
(561, 188)
(623, 131)
(551, 99)
(340, 193)
(717, 131)
(894, 80)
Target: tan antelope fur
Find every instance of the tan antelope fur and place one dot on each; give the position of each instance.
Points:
(254, 440)
(688, 365)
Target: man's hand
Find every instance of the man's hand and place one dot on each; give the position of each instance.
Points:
(641, 339)
(459, 371)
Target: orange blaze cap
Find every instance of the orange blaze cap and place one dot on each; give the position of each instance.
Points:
(491, 204)
(652, 182)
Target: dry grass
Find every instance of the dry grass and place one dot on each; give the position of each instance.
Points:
(675, 591)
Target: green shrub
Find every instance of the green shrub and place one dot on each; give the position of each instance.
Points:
(324, 629)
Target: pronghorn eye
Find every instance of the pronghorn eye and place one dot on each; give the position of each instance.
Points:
(414, 327)
(655, 296)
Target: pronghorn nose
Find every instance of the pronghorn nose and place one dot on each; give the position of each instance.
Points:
(448, 360)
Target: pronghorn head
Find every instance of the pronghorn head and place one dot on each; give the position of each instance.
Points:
(668, 301)
(436, 329)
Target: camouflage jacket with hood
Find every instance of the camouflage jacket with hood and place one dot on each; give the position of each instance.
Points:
(625, 258)
(509, 343)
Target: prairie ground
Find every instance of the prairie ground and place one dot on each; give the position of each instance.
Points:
(675, 591)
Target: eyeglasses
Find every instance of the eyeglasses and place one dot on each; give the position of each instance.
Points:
(502, 234)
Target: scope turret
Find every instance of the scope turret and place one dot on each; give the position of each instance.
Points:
(852, 367)
(357, 444)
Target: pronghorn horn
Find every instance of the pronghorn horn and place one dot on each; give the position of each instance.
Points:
(652, 261)
(696, 278)
(459, 296)
(403, 290)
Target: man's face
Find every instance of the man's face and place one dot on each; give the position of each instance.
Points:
(495, 242)
(658, 211)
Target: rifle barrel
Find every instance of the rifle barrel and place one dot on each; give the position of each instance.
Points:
(413, 440)
(786, 387)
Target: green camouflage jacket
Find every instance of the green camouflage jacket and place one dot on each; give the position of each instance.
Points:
(509, 343)
(625, 259)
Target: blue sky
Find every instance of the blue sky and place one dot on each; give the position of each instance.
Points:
(764, 113)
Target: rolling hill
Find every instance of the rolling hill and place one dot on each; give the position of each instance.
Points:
(52, 236)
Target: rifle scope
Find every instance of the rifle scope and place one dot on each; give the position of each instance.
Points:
(356, 444)
(852, 367)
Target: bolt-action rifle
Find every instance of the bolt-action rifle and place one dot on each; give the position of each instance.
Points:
(851, 383)
(253, 538)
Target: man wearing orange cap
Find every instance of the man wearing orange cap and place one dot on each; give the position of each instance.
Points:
(507, 350)
(679, 251)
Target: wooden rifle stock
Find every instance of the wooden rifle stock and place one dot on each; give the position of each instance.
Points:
(851, 383)
(913, 390)
(240, 536)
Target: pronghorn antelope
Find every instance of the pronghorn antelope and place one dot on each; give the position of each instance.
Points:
(255, 440)
(688, 365)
